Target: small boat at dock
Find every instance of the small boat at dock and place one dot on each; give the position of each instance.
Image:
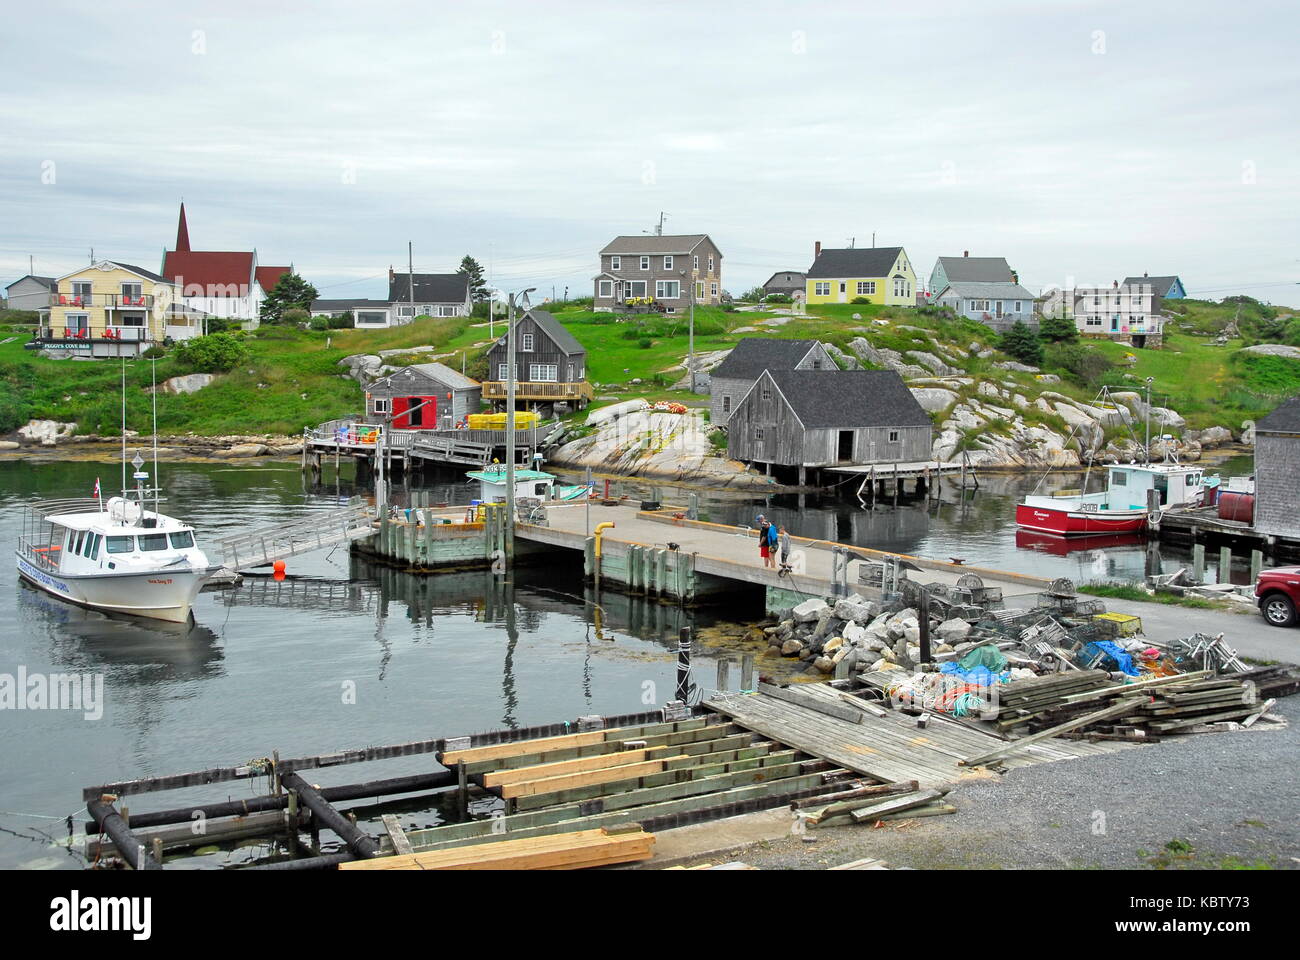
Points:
(1121, 508)
(115, 556)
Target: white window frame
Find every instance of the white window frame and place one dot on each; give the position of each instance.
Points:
(616, 263)
(76, 321)
(710, 264)
(448, 310)
(668, 262)
(662, 285)
(726, 403)
(695, 261)
(645, 263)
(821, 288)
(713, 289)
(634, 285)
(382, 404)
(543, 373)
(526, 343)
(606, 289)
(407, 311)
(503, 372)
(866, 287)
(893, 436)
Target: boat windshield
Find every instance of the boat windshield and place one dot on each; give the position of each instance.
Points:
(121, 544)
(182, 540)
(153, 541)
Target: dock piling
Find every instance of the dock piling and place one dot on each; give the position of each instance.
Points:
(1225, 564)
(1198, 562)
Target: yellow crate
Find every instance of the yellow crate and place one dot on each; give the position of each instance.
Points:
(1125, 624)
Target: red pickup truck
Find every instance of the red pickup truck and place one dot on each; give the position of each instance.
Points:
(1278, 591)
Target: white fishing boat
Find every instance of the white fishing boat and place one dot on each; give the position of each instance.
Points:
(115, 555)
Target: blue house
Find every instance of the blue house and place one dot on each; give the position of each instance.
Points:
(969, 269)
(996, 304)
(1166, 288)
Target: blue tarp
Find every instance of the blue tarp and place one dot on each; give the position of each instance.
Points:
(1113, 651)
(980, 675)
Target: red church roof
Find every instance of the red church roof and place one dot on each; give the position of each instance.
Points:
(218, 273)
(269, 276)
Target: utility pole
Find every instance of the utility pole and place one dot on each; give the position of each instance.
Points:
(510, 421)
(659, 229)
(410, 275)
(1146, 452)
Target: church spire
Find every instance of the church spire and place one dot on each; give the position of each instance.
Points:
(182, 233)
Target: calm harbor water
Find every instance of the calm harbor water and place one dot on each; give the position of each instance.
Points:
(343, 653)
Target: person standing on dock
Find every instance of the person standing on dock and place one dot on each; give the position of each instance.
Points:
(763, 545)
(784, 540)
(771, 545)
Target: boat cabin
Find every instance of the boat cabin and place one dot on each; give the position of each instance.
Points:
(1127, 485)
(528, 483)
(81, 538)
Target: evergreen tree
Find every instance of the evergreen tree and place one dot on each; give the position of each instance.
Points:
(1057, 329)
(291, 292)
(472, 271)
(1020, 342)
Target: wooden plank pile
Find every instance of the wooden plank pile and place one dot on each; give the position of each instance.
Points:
(565, 851)
(1021, 701)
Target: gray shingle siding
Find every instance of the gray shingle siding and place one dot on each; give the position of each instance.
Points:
(733, 378)
(551, 344)
(428, 380)
(1277, 471)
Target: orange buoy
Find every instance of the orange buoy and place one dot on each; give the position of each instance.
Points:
(278, 567)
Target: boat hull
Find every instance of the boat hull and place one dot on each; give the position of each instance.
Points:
(1065, 522)
(161, 595)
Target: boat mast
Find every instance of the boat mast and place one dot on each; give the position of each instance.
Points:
(123, 425)
(1147, 446)
(153, 362)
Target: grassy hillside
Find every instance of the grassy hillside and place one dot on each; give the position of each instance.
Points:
(291, 378)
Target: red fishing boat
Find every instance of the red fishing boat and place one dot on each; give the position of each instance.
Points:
(1123, 507)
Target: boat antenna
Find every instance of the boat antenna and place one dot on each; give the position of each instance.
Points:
(123, 425)
(153, 363)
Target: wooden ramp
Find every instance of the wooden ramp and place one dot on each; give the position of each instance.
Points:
(889, 748)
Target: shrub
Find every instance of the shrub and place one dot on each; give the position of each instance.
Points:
(344, 321)
(1085, 365)
(319, 323)
(644, 343)
(860, 300)
(1058, 330)
(295, 316)
(778, 298)
(1019, 342)
(215, 353)
(154, 353)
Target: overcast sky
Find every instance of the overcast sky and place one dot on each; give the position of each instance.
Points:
(1081, 140)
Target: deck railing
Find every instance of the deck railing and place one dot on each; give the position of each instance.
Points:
(539, 390)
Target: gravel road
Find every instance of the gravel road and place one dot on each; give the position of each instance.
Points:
(1212, 800)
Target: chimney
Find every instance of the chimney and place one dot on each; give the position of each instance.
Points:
(1144, 274)
(965, 253)
(817, 249)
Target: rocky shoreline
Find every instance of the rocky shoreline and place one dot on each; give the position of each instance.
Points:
(51, 440)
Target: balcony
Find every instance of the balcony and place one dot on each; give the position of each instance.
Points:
(110, 301)
(100, 334)
(539, 390)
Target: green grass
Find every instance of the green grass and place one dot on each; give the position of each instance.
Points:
(1124, 591)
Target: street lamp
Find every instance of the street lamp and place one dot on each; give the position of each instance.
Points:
(510, 418)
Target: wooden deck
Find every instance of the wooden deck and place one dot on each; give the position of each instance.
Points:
(889, 748)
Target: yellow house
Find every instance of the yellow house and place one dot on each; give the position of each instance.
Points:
(881, 275)
(108, 309)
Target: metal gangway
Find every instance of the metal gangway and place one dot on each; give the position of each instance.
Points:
(318, 531)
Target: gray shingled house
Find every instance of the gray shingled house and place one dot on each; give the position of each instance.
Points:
(815, 418)
(550, 363)
(436, 396)
(969, 269)
(1277, 471)
(732, 378)
(998, 305)
(428, 295)
(660, 267)
(31, 293)
(788, 282)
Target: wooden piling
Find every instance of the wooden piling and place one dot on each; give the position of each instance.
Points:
(310, 797)
(1225, 564)
(1198, 562)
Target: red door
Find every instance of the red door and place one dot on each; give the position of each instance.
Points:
(400, 416)
(407, 417)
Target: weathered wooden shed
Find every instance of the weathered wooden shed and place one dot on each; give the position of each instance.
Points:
(816, 418)
(1277, 472)
(452, 395)
(732, 378)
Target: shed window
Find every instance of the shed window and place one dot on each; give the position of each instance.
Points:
(726, 404)
(528, 343)
(382, 404)
(767, 392)
(758, 433)
(893, 436)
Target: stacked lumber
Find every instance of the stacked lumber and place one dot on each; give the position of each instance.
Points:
(1023, 700)
(560, 851)
(1177, 706)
